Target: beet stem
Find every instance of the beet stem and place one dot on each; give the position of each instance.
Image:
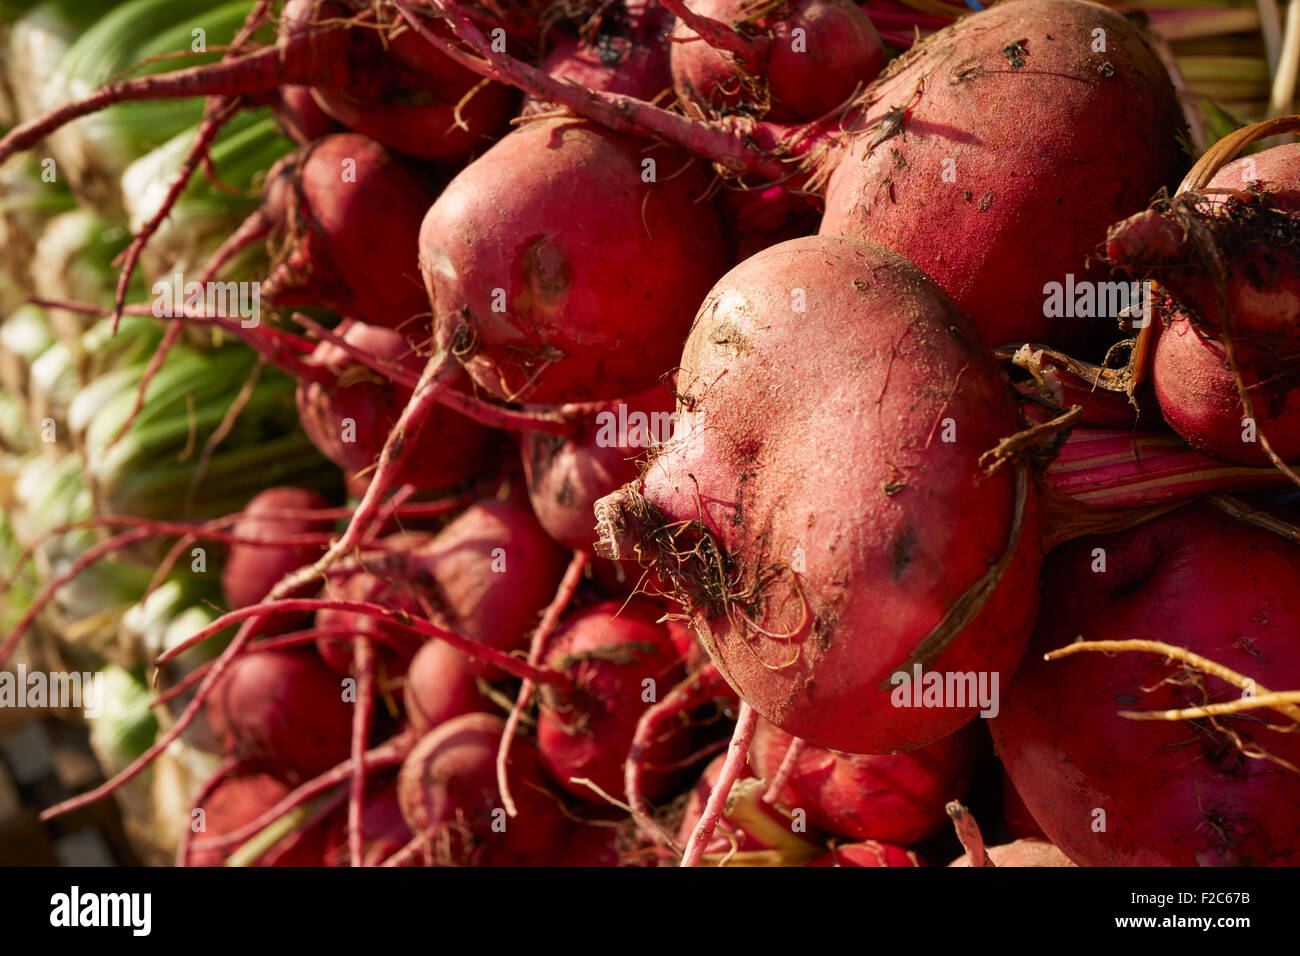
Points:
(737, 752)
(550, 618)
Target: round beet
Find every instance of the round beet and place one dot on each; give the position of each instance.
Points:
(251, 570)
(239, 801)
(439, 685)
(896, 798)
(566, 475)
(621, 660)
(447, 787)
(1112, 791)
(282, 711)
(349, 419)
(564, 264)
(806, 58)
(823, 574)
(344, 216)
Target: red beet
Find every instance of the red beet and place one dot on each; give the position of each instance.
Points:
(396, 646)
(349, 419)
(344, 215)
(566, 475)
(1160, 793)
(802, 59)
(241, 800)
(252, 570)
(819, 575)
(1225, 256)
(546, 262)
(283, 712)
(448, 787)
(621, 661)
(895, 799)
(439, 686)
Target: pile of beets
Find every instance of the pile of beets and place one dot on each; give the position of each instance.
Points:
(755, 445)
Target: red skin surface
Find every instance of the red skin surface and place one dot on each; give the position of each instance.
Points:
(382, 825)
(439, 686)
(300, 117)
(402, 92)
(252, 570)
(283, 711)
(587, 732)
(449, 781)
(451, 448)
(398, 645)
(1175, 793)
(892, 525)
(345, 217)
(241, 800)
(1030, 200)
(1020, 823)
(1199, 398)
(566, 475)
(869, 853)
(841, 50)
(492, 572)
(894, 799)
(629, 54)
(488, 575)
(590, 312)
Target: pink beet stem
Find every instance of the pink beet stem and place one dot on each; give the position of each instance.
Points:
(697, 688)
(788, 763)
(83, 561)
(363, 659)
(719, 35)
(207, 132)
(506, 662)
(550, 618)
(1109, 468)
(746, 721)
(271, 342)
(253, 73)
(279, 642)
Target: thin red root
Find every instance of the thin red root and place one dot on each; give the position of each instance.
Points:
(490, 655)
(968, 832)
(746, 721)
(207, 132)
(550, 618)
(720, 36)
(701, 686)
(83, 561)
(252, 73)
(788, 763)
(733, 146)
(363, 659)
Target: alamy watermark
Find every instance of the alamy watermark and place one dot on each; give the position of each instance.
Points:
(636, 429)
(75, 908)
(58, 689)
(1098, 300)
(174, 297)
(946, 689)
